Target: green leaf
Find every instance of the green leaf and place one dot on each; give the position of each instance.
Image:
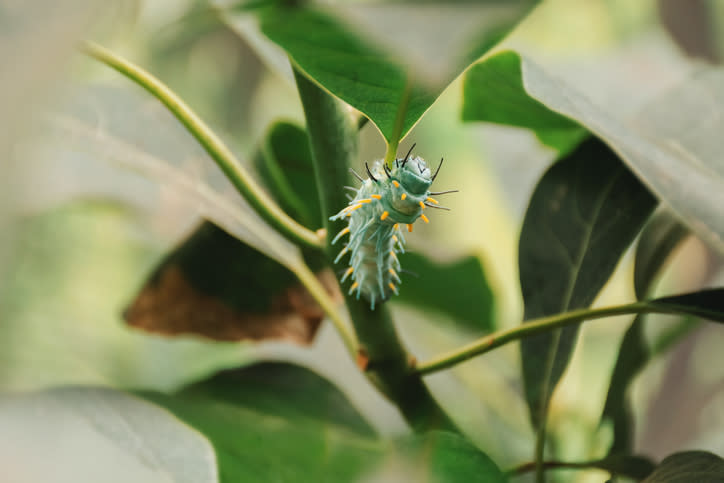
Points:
(286, 167)
(631, 466)
(676, 138)
(688, 467)
(98, 434)
(458, 289)
(277, 422)
(450, 458)
(707, 304)
(501, 74)
(661, 235)
(358, 52)
(583, 215)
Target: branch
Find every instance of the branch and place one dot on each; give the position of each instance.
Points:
(219, 152)
(533, 327)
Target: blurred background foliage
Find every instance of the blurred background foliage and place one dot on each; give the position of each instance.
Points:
(77, 245)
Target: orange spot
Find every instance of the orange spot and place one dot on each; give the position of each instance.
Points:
(356, 207)
(424, 218)
(392, 272)
(394, 237)
(344, 232)
(397, 185)
(362, 359)
(353, 286)
(422, 205)
(392, 286)
(377, 197)
(404, 195)
(384, 215)
(349, 271)
(365, 201)
(432, 200)
(409, 227)
(393, 254)
(396, 226)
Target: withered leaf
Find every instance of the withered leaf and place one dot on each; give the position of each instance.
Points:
(215, 286)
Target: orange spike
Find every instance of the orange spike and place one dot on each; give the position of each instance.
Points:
(394, 237)
(377, 197)
(353, 286)
(424, 218)
(404, 195)
(397, 185)
(384, 215)
(422, 205)
(396, 226)
(392, 286)
(393, 254)
(432, 200)
(409, 227)
(392, 272)
(365, 201)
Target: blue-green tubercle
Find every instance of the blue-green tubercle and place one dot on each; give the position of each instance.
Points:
(388, 203)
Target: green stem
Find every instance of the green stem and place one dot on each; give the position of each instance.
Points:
(333, 138)
(394, 140)
(318, 292)
(218, 151)
(537, 326)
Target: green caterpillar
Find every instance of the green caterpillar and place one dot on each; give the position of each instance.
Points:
(386, 200)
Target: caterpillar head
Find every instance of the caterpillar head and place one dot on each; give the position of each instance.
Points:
(414, 175)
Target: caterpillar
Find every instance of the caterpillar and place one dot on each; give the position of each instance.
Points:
(387, 199)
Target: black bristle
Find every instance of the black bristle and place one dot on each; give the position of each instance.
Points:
(370, 173)
(437, 170)
(407, 156)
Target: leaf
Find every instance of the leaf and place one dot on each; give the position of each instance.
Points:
(277, 422)
(584, 213)
(355, 51)
(286, 167)
(675, 139)
(687, 467)
(661, 235)
(216, 286)
(450, 458)
(502, 74)
(631, 466)
(707, 304)
(458, 289)
(106, 435)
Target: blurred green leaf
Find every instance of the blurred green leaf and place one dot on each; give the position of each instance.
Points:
(106, 436)
(688, 467)
(450, 458)
(458, 289)
(707, 304)
(675, 138)
(501, 74)
(216, 286)
(661, 235)
(277, 422)
(582, 216)
(286, 167)
(358, 52)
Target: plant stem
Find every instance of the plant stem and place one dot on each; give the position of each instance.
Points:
(394, 141)
(219, 152)
(317, 291)
(537, 326)
(333, 137)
